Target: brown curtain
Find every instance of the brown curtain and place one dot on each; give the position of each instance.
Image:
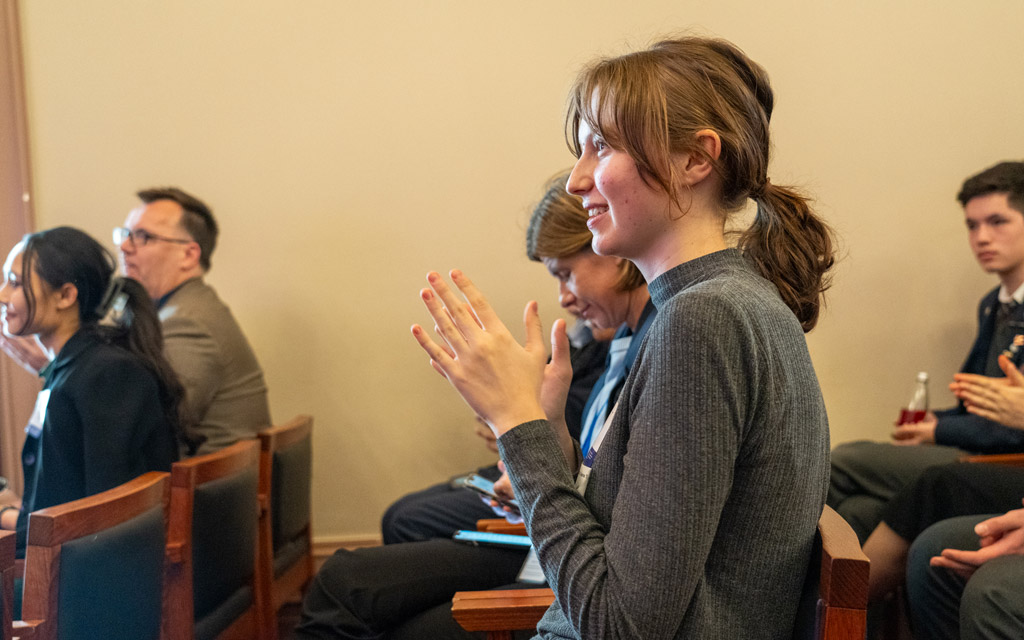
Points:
(18, 388)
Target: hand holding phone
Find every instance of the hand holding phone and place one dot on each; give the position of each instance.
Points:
(485, 487)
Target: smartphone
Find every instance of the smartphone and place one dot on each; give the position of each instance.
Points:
(485, 487)
(492, 539)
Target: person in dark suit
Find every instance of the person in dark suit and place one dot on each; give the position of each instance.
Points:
(167, 245)
(110, 408)
(865, 476)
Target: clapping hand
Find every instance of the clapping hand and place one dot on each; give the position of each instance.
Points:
(499, 378)
(26, 351)
(998, 399)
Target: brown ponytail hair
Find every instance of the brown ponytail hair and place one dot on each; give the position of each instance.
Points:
(652, 103)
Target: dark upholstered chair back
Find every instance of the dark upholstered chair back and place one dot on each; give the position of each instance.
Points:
(215, 513)
(286, 464)
(94, 567)
(224, 518)
(291, 480)
(109, 573)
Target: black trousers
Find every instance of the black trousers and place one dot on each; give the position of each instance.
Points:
(951, 490)
(401, 591)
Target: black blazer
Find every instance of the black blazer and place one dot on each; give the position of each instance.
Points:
(104, 425)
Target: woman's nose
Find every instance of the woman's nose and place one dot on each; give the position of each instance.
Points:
(581, 179)
(566, 298)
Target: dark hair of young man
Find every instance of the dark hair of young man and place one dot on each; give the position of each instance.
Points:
(1005, 177)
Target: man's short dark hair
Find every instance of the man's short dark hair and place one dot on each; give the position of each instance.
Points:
(1005, 177)
(197, 218)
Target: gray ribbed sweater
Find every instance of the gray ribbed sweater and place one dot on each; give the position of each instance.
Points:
(700, 513)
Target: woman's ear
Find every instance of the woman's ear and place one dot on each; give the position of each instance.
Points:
(67, 296)
(697, 166)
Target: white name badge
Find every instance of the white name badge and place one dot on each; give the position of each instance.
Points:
(531, 571)
(35, 423)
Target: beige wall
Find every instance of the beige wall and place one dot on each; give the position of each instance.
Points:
(348, 147)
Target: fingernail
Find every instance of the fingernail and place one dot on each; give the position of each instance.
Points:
(432, 277)
(981, 529)
(425, 294)
(416, 330)
(455, 273)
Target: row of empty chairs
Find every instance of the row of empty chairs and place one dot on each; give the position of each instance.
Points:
(210, 550)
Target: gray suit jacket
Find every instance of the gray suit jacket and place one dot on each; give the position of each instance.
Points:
(225, 393)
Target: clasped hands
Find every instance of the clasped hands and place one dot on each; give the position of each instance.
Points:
(505, 383)
(1000, 536)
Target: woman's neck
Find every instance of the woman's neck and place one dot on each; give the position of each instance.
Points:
(53, 341)
(637, 302)
(696, 231)
(683, 246)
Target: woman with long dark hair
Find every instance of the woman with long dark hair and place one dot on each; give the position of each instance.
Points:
(693, 515)
(109, 408)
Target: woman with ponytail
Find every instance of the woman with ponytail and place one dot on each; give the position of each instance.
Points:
(694, 515)
(109, 408)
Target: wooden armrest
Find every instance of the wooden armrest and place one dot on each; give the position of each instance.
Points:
(1011, 459)
(500, 525)
(26, 628)
(842, 557)
(502, 609)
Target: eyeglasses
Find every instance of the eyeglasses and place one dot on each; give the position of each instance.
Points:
(141, 237)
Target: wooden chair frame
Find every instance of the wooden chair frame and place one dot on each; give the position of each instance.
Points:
(1009, 459)
(843, 591)
(7, 543)
(50, 528)
(297, 577)
(179, 610)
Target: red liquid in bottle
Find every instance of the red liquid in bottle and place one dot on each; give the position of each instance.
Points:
(909, 416)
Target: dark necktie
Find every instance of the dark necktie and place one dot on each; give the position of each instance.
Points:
(1002, 337)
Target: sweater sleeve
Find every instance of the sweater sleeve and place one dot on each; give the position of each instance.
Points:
(675, 441)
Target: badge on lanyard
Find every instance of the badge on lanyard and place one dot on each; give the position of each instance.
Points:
(35, 423)
(583, 477)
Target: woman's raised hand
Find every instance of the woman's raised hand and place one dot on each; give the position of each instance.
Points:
(26, 351)
(500, 379)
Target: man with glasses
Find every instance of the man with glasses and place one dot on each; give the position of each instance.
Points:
(166, 244)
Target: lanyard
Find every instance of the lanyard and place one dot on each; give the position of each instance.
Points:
(588, 461)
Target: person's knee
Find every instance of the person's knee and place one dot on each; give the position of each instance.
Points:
(862, 512)
(393, 524)
(992, 604)
(407, 520)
